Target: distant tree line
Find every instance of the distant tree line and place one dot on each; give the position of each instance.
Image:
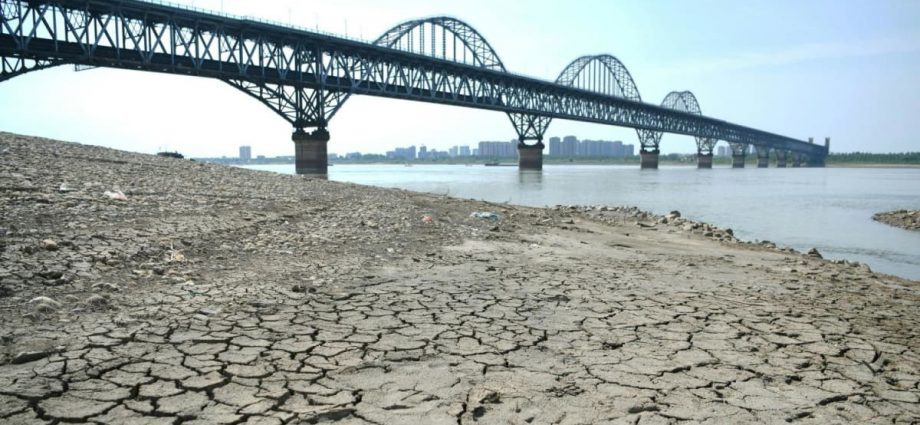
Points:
(874, 158)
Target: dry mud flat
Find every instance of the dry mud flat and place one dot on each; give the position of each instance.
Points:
(905, 219)
(221, 295)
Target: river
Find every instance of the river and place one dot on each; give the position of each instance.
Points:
(825, 208)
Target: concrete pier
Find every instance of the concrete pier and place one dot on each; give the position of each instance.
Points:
(796, 160)
(648, 160)
(763, 157)
(738, 160)
(704, 160)
(530, 157)
(310, 152)
(780, 159)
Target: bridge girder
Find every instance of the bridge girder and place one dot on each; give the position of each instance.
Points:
(137, 35)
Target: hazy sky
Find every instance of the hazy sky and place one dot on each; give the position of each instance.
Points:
(845, 69)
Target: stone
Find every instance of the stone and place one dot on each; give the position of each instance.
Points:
(49, 245)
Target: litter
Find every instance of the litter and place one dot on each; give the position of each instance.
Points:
(484, 215)
(64, 188)
(427, 219)
(116, 195)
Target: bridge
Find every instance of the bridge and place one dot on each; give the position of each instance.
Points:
(306, 77)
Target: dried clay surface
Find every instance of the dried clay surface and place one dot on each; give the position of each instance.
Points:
(905, 219)
(201, 294)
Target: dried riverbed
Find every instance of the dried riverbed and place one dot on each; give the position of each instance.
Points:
(221, 295)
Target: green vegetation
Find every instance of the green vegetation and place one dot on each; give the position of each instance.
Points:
(906, 158)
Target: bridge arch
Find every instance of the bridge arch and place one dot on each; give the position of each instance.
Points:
(686, 101)
(607, 75)
(600, 74)
(451, 39)
(443, 37)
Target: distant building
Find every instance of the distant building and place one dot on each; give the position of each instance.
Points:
(422, 152)
(722, 151)
(454, 151)
(555, 146)
(464, 150)
(245, 153)
(569, 146)
(497, 149)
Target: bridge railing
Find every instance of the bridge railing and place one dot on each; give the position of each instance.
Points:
(221, 13)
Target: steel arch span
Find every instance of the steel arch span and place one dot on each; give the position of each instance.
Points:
(686, 101)
(450, 39)
(605, 74)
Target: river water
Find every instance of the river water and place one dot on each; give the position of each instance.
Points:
(825, 208)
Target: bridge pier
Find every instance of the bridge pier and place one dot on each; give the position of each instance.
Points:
(310, 156)
(648, 160)
(763, 157)
(738, 160)
(796, 160)
(780, 159)
(704, 160)
(530, 157)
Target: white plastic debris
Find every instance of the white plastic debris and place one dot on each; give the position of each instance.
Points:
(116, 195)
(484, 215)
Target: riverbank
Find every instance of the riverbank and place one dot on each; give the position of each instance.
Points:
(234, 296)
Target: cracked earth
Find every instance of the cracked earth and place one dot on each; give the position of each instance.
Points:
(221, 295)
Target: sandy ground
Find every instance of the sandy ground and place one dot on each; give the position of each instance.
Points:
(221, 295)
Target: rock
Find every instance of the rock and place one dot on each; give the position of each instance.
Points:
(105, 286)
(98, 302)
(814, 253)
(44, 305)
(30, 356)
(49, 245)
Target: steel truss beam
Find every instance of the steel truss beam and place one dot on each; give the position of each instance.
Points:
(284, 65)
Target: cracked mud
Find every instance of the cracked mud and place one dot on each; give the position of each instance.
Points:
(220, 295)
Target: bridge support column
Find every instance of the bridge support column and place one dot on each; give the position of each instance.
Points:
(310, 156)
(738, 160)
(763, 157)
(780, 159)
(796, 160)
(530, 157)
(648, 160)
(704, 160)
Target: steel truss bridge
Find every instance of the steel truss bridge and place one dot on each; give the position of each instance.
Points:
(305, 76)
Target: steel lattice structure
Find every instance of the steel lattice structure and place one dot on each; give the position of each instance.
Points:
(305, 76)
(686, 101)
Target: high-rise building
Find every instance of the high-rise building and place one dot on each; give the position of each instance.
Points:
(569, 146)
(454, 151)
(422, 152)
(498, 149)
(245, 153)
(464, 150)
(555, 146)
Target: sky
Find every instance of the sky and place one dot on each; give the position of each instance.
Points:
(849, 70)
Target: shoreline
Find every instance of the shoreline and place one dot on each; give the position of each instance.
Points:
(222, 293)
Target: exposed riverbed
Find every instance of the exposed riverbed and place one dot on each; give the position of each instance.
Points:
(137, 289)
(829, 209)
